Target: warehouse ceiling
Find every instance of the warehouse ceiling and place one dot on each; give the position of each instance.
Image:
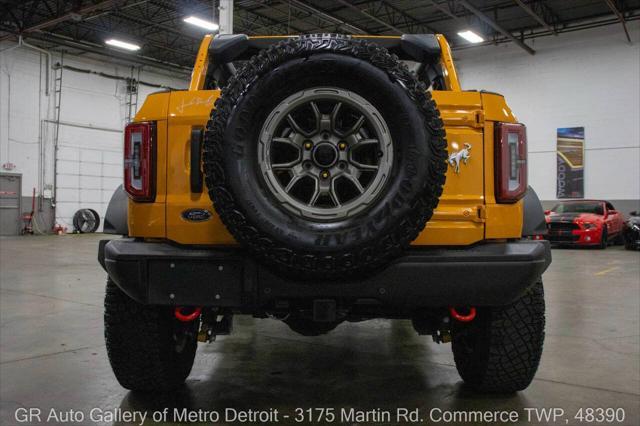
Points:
(166, 41)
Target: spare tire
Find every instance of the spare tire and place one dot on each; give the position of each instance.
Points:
(325, 156)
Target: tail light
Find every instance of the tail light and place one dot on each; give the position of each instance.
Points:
(139, 161)
(510, 162)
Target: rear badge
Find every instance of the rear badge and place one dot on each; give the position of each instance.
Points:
(196, 215)
(462, 155)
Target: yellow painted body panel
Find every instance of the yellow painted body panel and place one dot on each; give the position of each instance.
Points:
(186, 110)
(467, 212)
(449, 69)
(456, 221)
(199, 72)
(149, 219)
(502, 220)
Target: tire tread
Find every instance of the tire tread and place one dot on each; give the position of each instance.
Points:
(501, 349)
(341, 263)
(140, 345)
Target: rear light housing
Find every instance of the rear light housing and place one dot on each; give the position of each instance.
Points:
(139, 161)
(510, 162)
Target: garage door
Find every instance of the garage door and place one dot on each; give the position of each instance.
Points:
(88, 169)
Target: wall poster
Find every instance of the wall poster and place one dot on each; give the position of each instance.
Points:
(570, 162)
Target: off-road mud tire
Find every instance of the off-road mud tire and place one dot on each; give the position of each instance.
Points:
(499, 351)
(140, 343)
(303, 248)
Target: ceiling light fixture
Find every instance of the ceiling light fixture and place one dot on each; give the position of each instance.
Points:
(122, 44)
(471, 36)
(207, 25)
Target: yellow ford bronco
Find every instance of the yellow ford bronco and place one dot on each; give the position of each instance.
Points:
(318, 179)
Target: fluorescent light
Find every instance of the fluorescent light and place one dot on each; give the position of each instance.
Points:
(471, 36)
(122, 44)
(207, 25)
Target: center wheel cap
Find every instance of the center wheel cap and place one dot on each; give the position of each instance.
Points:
(325, 155)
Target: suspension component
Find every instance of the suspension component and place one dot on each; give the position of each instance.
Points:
(215, 322)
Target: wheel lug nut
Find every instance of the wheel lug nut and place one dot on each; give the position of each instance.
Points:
(342, 146)
(308, 145)
(324, 174)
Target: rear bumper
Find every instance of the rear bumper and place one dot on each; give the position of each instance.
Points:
(165, 274)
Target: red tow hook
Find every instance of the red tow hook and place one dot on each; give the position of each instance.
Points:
(180, 316)
(463, 318)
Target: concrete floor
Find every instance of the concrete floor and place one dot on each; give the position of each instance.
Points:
(53, 354)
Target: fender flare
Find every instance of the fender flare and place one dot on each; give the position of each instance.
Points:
(533, 222)
(115, 220)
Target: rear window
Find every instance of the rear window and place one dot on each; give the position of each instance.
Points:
(216, 78)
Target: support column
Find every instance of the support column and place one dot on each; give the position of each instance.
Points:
(225, 15)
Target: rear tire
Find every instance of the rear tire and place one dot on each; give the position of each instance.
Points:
(149, 350)
(499, 351)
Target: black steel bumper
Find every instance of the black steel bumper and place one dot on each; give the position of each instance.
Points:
(165, 274)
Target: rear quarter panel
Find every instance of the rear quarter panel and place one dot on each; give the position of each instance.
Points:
(502, 220)
(457, 219)
(149, 219)
(188, 109)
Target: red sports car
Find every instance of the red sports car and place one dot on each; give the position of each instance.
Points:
(585, 223)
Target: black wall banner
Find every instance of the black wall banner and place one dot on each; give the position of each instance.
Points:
(570, 161)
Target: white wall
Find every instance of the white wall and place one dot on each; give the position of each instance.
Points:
(588, 78)
(89, 159)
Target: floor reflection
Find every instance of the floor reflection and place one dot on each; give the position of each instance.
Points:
(378, 365)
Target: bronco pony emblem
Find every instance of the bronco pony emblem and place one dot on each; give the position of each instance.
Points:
(462, 155)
